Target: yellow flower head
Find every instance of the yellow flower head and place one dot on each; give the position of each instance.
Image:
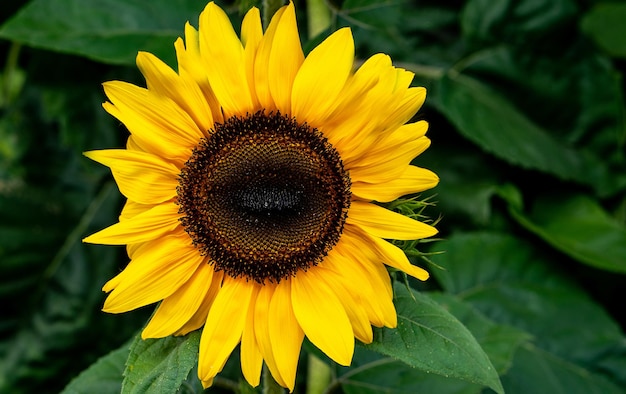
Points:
(251, 175)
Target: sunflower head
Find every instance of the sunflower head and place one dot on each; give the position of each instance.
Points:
(254, 178)
(264, 197)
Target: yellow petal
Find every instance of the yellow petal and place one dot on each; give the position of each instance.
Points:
(190, 66)
(368, 266)
(286, 335)
(183, 91)
(322, 77)
(383, 223)
(132, 209)
(146, 226)
(357, 102)
(141, 177)
(414, 180)
(410, 103)
(389, 145)
(343, 262)
(154, 274)
(261, 64)
(285, 59)
(251, 358)
(262, 330)
(389, 168)
(156, 122)
(176, 310)
(321, 315)
(251, 36)
(199, 318)
(223, 60)
(392, 255)
(224, 326)
(353, 302)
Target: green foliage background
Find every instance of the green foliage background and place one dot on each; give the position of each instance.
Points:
(527, 115)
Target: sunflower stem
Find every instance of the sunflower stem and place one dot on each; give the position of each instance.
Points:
(269, 9)
(318, 16)
(318, 375)
(9, 83)
(268, 384)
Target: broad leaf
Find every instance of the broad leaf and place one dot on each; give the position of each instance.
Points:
(516, 21)
(510, 283)
(103, 377)
(160, 365)
(372, 373)
(431, 339)
(110, 31)
(579, 227)
(499, 341)
(489, 120)
(605, 24)
(538, 371)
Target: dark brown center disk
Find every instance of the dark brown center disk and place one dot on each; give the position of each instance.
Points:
(264, 197)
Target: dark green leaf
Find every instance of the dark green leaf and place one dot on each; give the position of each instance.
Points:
(432, 340)
(372, 13)
(578, 226)
(575, 78)
(605, 23)
(515, 21)
(103, 377)
(489, 120)
(538, 371)
(160, 365)
(110, 31)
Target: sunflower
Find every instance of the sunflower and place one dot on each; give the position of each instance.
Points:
(253, 178)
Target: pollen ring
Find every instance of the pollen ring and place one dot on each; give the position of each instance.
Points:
(264, 196)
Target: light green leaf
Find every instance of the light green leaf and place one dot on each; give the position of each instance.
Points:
(102, 377)
(506, 279)
(110, 31)
(578, 226)
(160, 365)
(431, 339)
(499, 341)
(372, 373)
(605, 24)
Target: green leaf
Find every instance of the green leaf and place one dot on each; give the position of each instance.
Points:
(431, 339)
(499, 341)
(489, 120)
(605, 24)
(578, 226)
(160, 365)
(52, 326)
(515, 21)
(372, 373)
(103, 377)
(507, 280)
(110, 31)
(576, 78)
(538, 371)
(379, 14)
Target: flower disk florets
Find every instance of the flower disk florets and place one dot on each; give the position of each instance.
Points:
(264, 197)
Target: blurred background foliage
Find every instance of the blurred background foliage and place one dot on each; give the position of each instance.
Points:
(527, 118)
